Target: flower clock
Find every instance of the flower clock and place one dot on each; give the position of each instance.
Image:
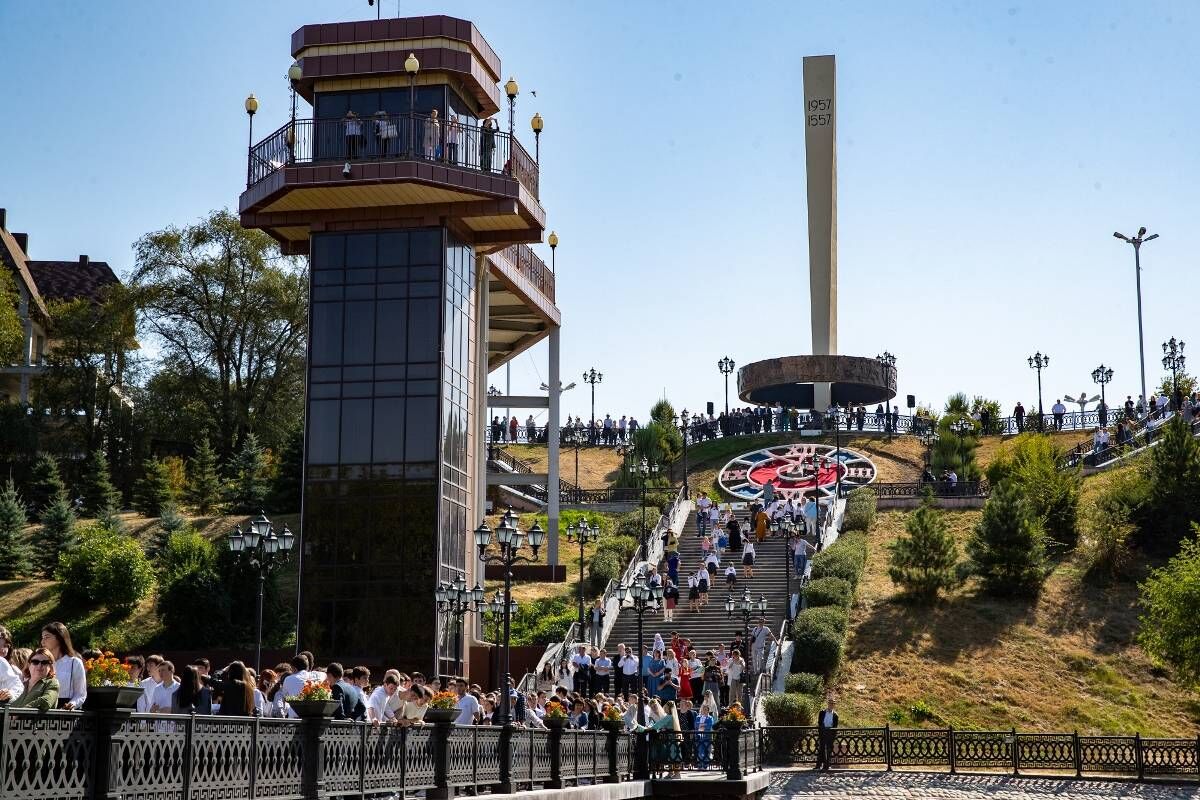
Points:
(795, 470)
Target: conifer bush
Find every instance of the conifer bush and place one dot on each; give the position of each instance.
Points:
(923, 560)
(203, 480)
(14, 556)
(1007, 548)
(56, 536)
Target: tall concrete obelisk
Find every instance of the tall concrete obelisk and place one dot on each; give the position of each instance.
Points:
(820, 153)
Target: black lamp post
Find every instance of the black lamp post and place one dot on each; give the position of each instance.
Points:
(726, 366)
(584, 534)
(263, 550)
(644, 597)
(684, 421)
(1174, 360)
(1039, 362)
(1102, 375)
(1137, 242)
(454, 600)
(510, 538)
(552, 240)
(294, 74)
(887, 363)
(495, 607)
(592, 377)
(644, 470)
(251, 110)
(512, 90)
(412, 65)
(537, 123)
(747, 606)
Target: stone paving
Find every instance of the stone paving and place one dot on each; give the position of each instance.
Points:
(841, 785)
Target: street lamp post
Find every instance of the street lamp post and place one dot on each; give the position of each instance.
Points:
(1039, 362)
(592, 377)
(746, 606)
(584, 534)
(552, 240)
(537, 123)
(645, 598)
(455, 600)
(887, 363)
(495, 607)
(1174, 360)
(1137, 242)
(726, 366)
(685, 422)
(251, 108)
(412, 65)
(644, 471)
(1102, 375)
(294, 74)
(512, 90)
(510, 539)
(262, 550)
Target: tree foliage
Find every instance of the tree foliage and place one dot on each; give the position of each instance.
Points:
(1171, 599)
(1007, 547)
(153, 491)
(246, 491)
(289, 479)
(952, 451)
(204, 480)
(229, 315)
(14, 556)
(1174, 501)
(97, 489)
(12, 331)
(923, 561)
(108, 567)
(1036, 466)
(56, 536)
(45, 484)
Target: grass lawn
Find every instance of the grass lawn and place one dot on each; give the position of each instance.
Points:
(598, 466)
(1064, 661)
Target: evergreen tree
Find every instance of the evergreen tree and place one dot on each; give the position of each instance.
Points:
(954, 451)
(247, 490)
(98, 490)
(923, 560)
(109, 518)
(285, 492)
(1171, 599)
(153, 491)
(1174, 483)
(170, 522)
(57, 534)
(45, 483)
(204, 481)
(14, 557)
(1007, 547)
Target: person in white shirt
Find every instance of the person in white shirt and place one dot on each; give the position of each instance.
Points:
(165, 691)
(759, 636)
(377, 705)
(468, 704)
(293, 683)
(11, 682)
(627, 666)
(581, 662)
(68, 667)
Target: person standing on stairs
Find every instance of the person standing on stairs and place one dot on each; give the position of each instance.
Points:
(734, 527)
(670, 599)
(748, 559)
(760, 634)
(693, 593)
(761, 520)
(702, 585)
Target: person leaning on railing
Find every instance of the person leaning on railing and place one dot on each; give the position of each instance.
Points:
(41, 691)
(12, 683)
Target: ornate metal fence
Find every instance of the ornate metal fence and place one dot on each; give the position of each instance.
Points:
(1006, 751)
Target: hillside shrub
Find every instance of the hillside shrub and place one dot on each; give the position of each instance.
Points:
(1171, 598)
(97, 489)
(14, 555)
(623, 547)
(543, 621)
(818, 634)
(56, 535)
(1007, 547)
(153, 489)
(179, 600)
(108, 568)
(186, 551)
(790, 709)
(604, 566)
(843, 559)
(922, 561)
(1174, 502)
(45, 484)
(1036, 466)
(860, 510)
(805, 683)
(830, 591)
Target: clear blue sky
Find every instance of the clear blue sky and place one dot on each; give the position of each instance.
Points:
(987, 151)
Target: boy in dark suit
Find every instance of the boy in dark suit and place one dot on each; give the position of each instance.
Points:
(827, 722)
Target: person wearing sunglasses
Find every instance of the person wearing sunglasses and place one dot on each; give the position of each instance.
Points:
(12, 684)
(41, 692)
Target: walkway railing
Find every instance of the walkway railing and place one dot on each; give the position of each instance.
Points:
(394, 137)
(978, 488)
(1007, 751)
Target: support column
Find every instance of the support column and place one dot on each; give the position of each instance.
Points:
(483, 416)
(820, 154)
(552, 437)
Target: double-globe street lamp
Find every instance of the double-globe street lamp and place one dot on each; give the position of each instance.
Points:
(454, 600)
(1174, 360)
(592, 377)
(1137, 242)
(1102, 375)
(747, 606)
(262, 550)
(584, 534)
(1039, 362)
(644, 597)
(726, 366)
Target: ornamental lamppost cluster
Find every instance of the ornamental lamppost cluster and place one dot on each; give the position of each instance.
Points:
(511, 540)
(726, 366)
(643, 471)
(1102, 375)
(454, 600)
(584, 534)
(495, 607)
(747, 606)
(263, 550)
(1039, 362)
(591, 377)
(644, 597)
(1174, 360)
(1137, 242)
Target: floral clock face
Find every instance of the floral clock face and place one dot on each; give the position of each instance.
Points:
(795, 470)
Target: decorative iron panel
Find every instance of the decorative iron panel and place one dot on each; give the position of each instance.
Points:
(460, 751)
(624, 754)
(147, 760)
(920, 748)
(860, 746)
(1117, 754)
(341, 750)
(591, 747)
(1045, 751)
(418, 773)
(487, 755)
(787, 745)
(521, 763)
(540, 756)
(977, 749)
(47, 756)
(383, 771)
(1170, 756)
(221, 758)
(280, 770)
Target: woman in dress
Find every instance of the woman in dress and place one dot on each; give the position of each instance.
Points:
(664, 748)
(748, 559)
(68, 666)
(685, 680)
(696, 672)
(671, 599)
(433, 136)
(656, 667)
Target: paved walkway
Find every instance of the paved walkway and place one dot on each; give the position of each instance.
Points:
(925, 786)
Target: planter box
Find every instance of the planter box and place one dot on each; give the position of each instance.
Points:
(107, 698)
(314, 709)
(442, 715)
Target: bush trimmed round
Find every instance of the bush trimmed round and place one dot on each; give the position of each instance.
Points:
(806, 683)
(790, 708)
(818, 634)
(830, 591)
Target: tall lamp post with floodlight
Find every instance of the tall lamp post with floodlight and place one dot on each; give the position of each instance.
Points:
(1102, 375)
(1137, 241)
(747, 606)
(454, 600)
(1039, 362)
(591, 377)
(726, 366)
(684, 422)
(510, 539)
(1174, 360)
(644, 470)
(584, 534)
(644, 597)
(263, 550)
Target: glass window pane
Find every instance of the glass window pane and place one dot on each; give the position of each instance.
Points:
(356, 432)
(359, 346)
(360, 250)
(323, 432)
(393, 249)
(426, 247)
(388, 430)
(327, 251)
(421, 424)
(423, 330)
(391, 331)
(326, 333)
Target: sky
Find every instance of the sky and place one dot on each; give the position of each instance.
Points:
(986, 153)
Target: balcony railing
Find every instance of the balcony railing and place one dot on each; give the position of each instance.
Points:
(530, 267)
(396, 137)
